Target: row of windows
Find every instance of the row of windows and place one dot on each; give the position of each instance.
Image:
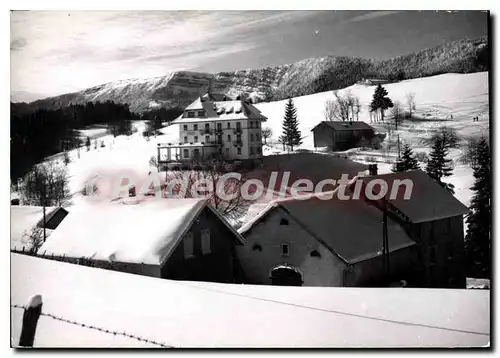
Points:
(238, 138)
(258, 150)
(252, 124)
(192, 114)
(189, 243)
(285, 250)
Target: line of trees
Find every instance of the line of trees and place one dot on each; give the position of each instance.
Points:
(36, 134)
(342, 107)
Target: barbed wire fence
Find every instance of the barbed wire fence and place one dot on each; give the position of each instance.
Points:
(100, 329)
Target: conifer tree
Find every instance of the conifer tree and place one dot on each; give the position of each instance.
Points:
(439, 166)
(477, 240)
(380, 101)
(407, 161)
(291, 135)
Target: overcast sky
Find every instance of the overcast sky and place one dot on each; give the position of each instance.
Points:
(56, 52)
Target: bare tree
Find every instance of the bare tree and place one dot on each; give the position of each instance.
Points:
(338, 109)
(33, 239)
(356, 108)
(410, 103)
(224, 194)
(397, 113)
(45, 185)
(266, 134)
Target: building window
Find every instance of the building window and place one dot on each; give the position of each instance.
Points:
(251, 150)
(185, 139)
(188, 246)
(207, 139)
(185, 127)
(259, 150)
(228, 125)
(227, 151)
(196, 139)
(257, 247)
(190, 114)
(186, 153)
(239, 151)
(238, 126)
(219, 126)
(257, 136)
(283, 221)
(205, 241)
(201, 113)
(251, 124)
(315, 253)
(285, 250)
(229, 137)
(195, 127)
(251, 137)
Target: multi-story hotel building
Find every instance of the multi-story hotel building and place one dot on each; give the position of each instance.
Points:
(217, 127)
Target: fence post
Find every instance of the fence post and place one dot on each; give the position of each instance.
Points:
(30, 319)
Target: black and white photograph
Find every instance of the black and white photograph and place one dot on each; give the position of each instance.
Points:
(250, 178)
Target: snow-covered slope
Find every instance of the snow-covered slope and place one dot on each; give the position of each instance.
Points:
(463, 95)
(437, 97)
(195, 314)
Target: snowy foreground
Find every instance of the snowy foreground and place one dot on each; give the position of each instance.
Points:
(193, 314)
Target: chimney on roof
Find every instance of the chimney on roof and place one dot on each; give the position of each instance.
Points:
(372, 169)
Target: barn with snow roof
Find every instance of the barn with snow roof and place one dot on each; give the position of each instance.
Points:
(317, 242)
(180, 239)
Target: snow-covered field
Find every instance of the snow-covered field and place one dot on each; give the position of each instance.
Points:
(201, 314)
(438, 97)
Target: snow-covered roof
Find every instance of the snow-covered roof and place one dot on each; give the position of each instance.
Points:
(196, 314)
(25, 218)
(135, 230)
(345, 125)
(429, 200)
(350, 228)
(221, 111)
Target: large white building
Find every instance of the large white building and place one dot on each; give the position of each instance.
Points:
(215, 126)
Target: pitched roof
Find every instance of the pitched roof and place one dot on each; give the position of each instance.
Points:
(202, 314)
(350, 228)
(216, 96)
(136, 230)
(25, 218)
(345, 126)
(221, 111)
(429, 200)
(312, 166)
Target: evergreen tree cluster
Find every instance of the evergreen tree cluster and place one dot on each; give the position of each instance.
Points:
(38, 133)
(291, 136)
(381, 101)
(439, 165)
(407, 161)
(478, 238)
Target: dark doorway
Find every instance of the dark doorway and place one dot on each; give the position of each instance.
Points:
(285, 275)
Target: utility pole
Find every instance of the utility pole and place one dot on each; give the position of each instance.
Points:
(385, 244)
(399, 149)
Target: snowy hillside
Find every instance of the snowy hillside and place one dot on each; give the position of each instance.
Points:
(200, 314)
(463, 95)
(437, 97)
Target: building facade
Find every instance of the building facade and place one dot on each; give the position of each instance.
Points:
(216, 127)
(338, 136)
(323, 243)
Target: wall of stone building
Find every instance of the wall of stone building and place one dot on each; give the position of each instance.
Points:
(270, 234)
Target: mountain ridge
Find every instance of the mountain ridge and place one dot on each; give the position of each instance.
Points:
(178, 88)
